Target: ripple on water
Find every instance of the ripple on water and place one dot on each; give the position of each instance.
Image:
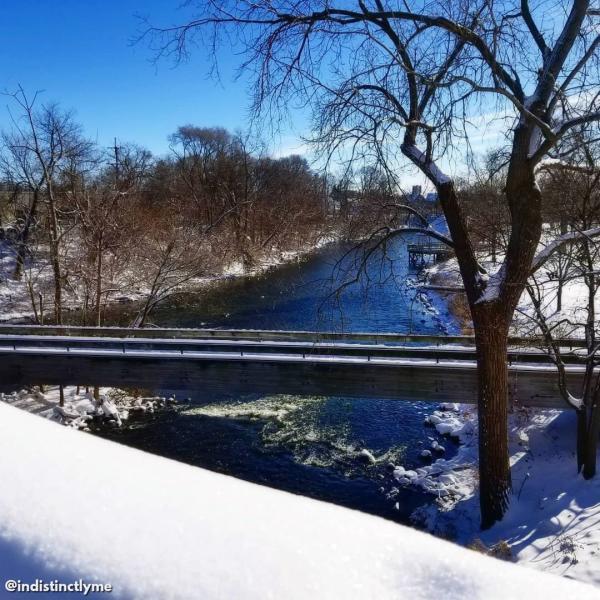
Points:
(305, 426)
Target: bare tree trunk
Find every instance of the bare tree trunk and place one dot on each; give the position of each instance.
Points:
(491, 336)
(491, 321)
(99, 283)
(24, 237)
(98, 299)
(582, 432)
(55, 258)
(591, 445)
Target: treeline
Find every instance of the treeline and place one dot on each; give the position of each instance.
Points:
(91, 224)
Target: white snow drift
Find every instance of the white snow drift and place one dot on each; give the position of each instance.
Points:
(155, 528)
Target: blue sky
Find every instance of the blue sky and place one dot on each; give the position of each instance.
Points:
(79, 52)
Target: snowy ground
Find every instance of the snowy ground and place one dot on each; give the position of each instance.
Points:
(554, 516)
(574, 292)
(81, 410)
(76, 506)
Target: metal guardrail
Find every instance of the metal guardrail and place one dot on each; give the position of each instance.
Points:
(266, 335)
(259, 349)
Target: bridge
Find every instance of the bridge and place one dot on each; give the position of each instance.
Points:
(232, 362)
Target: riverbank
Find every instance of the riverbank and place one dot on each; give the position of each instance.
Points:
(81, 410)
(551, 524)
(17, 297)
(446, 276)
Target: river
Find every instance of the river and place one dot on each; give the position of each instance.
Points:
(305, 445)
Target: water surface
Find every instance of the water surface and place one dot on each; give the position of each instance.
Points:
(307, 445)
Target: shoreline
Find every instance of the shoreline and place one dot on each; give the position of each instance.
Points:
(15, 297)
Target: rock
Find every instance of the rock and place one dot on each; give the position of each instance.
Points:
(426, 454)
(438, 448)
(367, 456)
(66, 412)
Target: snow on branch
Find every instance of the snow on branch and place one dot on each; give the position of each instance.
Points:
(563, 240)
(426, 165)
(423, 230)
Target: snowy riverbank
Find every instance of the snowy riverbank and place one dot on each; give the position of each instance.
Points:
(81, 410)
(552, 522)
(16, 295)
(219, 537)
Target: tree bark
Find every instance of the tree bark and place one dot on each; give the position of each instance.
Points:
(491, 321)
(590, 445)
(491, 338)
(99, 282)
(55, 256)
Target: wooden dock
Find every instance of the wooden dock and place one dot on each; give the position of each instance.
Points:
(420, 254)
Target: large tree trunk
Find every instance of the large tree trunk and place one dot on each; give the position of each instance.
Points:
(491, 336)
(591, 442)
(490, 321)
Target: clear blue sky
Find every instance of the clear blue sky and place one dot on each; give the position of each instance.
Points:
(80, 53)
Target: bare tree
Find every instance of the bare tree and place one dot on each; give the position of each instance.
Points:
(408, 78)
(47, 141)
(578, 210)
(23, 174)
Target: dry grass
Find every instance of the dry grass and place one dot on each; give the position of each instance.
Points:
(499, 550)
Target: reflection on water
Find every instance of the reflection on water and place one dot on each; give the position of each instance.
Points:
(313, 294)
(309, 445)
(316, 430)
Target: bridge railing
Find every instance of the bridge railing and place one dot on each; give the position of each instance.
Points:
(267, 335)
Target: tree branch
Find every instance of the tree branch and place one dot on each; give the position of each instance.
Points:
(568, 238)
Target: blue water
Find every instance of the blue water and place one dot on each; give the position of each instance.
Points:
(305, 445)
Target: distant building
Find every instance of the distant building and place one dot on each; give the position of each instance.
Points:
(428, 204)
(416, 194)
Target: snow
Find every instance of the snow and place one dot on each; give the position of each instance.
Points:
(79, 506)
(551, 524)
(548, 249)
(112, 408)
(429, 167)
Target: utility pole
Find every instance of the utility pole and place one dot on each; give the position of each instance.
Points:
(116, 151)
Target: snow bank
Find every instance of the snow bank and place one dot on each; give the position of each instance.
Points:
(155, 528)
(552, 520)
(81, 410)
